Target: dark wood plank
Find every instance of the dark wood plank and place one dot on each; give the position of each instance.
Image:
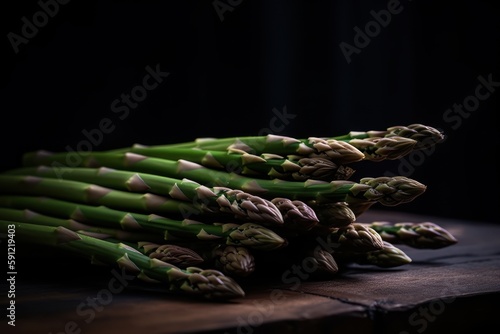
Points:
(53, 308)
(456, 287)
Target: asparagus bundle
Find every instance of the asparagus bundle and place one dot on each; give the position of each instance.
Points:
(231, 260)
(210, 284)
(312, 147)
(179, 196)
(247, 234)
(267, 166)
(375, 145)
(203, 200)
(280, 157)
(231, 204)
(386, 190)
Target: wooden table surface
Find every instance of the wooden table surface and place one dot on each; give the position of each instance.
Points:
(456, 289)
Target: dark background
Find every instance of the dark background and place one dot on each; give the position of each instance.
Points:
(228, 73)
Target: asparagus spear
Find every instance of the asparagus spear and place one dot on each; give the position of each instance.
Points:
(271, 165)
(355, 237)
(33, 217)
(247, 234)
(296, 214)
(260, 166)
(296, 168)
(175, 254)
(387, 257)
(311, 169)
(322, 261)
(387, 190)
(417, 235)
(336, 214)
(208, 283)
(199, 198)
(337, 151)
(235, 261)
(426, 136)
(379, 149)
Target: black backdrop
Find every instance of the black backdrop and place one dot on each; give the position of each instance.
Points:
(247, 67)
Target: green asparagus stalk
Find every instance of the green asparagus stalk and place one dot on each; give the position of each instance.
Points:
(199, 198)
(296, 168)
(317, 166)
(180, 256)
(426, 136)
(423, 135)
(388, 257)
(33, 217)
(82, 192)
(268, 166)
(237, 203)
(425, 235)
(338, 151)
(246, 234)
(208, 283)
(387, 190)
